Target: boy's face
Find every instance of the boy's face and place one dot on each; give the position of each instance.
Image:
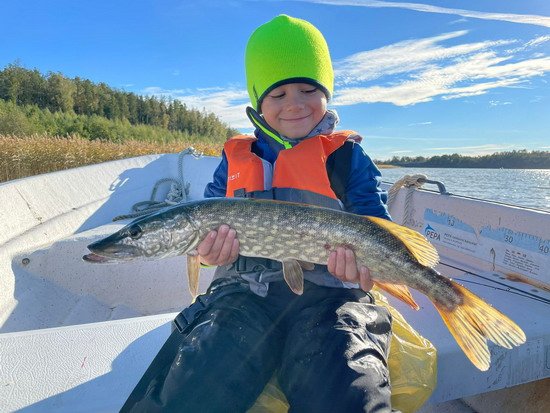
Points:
(294, 109)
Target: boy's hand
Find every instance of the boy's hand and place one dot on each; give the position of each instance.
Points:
(342, 264)
(220, 247)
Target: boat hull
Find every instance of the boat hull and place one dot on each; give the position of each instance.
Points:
(70, 329)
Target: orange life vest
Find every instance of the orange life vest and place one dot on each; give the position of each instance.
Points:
(301, 168)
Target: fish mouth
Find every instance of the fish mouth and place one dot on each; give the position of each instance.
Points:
(103, 251)
(96, 259)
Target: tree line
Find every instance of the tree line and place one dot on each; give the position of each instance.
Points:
(520, 159)
(80, 99)
(29, 120)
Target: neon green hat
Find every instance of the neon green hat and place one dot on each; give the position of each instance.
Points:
(286, 50)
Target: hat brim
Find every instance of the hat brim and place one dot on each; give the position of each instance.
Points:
(307, 80)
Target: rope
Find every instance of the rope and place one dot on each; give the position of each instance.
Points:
(178, 193)
(411, 182)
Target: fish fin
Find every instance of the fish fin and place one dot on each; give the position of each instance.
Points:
(474, 321)
(399, 291)
(308, 266)
(424, 252)
(294, 276)
(193, 270)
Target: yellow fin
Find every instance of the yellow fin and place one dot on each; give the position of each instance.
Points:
(399, 291)
(193, 270)
(474, 321)
(414, 241)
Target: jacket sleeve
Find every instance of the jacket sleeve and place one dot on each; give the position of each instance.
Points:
(218, 186)
(363, 193)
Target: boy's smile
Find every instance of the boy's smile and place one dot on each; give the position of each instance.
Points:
(294, 109)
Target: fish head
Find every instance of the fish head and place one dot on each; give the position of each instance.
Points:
(165, 234)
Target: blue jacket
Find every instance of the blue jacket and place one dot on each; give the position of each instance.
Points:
(363, 195)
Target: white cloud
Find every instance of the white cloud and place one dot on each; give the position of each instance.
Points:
(536, 99)
(498, 103)
(537, 41)
(475, 150)
(420, 124)
(400, 152)
(404, 73)
(382, 138)
(403, 57)
(427, 8)
(419, 70)
(530, 44)
(228, 104)
(413, 92)
(457, 21)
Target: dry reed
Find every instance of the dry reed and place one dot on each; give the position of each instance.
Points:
(22, 156)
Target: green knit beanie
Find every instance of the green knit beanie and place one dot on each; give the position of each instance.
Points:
(286, 50)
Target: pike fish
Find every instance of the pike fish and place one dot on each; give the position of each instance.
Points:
(299, 236)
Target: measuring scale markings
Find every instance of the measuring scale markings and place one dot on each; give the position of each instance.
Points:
(513, 251)
(518, 239)
(445, 229)
(523, 253)
(448, 220)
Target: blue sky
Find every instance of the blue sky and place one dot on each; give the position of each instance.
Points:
(420, 78)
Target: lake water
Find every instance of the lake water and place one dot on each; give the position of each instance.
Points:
(524, 187)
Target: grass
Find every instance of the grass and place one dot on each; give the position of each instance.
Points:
(22, 156)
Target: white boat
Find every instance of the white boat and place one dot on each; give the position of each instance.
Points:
(77, 337)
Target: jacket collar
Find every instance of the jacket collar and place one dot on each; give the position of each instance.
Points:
(277, 141)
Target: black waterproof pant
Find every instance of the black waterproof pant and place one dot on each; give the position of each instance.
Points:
(328, 348)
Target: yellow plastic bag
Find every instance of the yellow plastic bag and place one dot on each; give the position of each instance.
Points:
(412, 363)
(272, 399)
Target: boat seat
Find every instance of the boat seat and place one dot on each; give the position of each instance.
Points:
(73, 364)
(70, 366)
(73, 291)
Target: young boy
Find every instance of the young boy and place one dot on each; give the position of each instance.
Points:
(327, 347)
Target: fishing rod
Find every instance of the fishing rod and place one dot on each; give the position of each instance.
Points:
(503, 287)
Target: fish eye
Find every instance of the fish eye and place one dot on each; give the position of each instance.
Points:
(135, 232)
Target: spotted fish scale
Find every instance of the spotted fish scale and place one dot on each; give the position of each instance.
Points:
(297, 234)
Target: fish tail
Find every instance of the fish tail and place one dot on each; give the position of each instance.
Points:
(474, 321)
